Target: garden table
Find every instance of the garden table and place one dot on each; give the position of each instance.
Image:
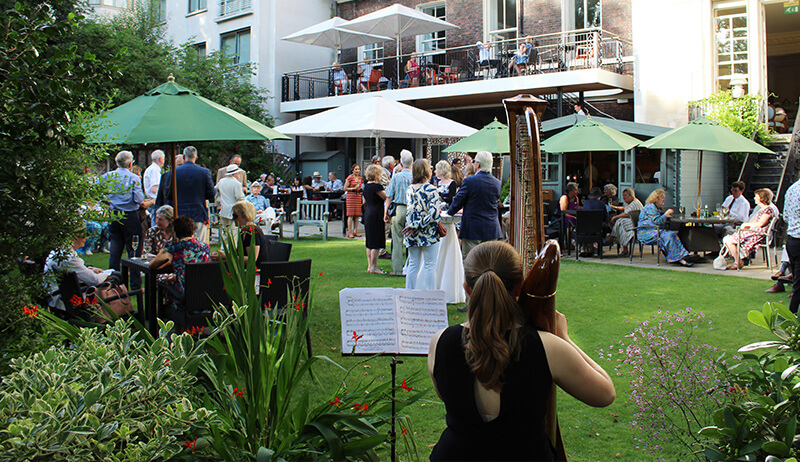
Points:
(147, 310)
(701, 236)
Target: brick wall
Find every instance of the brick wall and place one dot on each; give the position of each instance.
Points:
(539, 17)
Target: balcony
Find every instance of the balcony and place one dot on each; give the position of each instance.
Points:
(574, 61)
(232, 8)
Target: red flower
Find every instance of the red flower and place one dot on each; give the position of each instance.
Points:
(320, 274)
(166, 362)
(76, 300)
(361, 408)
(335, 401)
(356, 337)
(32, 312)
(238, 392)
(92, 300)
(191, 444)
(405, 386)
(269, 282)
(404, 432)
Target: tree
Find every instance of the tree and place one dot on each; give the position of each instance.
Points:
(44, 87)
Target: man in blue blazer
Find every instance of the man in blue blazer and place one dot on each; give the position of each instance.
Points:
(478, 197)
(195, 186)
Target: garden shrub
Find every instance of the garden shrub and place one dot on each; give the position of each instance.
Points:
(761, 423)
(675, 382)
(108, 396)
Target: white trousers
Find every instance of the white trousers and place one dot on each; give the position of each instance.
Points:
(421, 267)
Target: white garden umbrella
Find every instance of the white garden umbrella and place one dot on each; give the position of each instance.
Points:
(398, 21)
(331, 34)
(377, 117)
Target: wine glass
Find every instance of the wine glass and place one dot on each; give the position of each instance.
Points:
(134, 245)
(725, 210)
(682, 210)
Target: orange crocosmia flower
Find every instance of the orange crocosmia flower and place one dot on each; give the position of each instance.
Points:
(335, 401)
(191, 444)
(405, 386)
(269, 282)
(404, 432)
(76, 300)
(238, 392)
(356, 337)
(320, 274)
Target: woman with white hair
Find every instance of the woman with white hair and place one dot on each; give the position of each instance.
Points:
(621, 224)
(158, 235)
(447, 187)
(609, 194)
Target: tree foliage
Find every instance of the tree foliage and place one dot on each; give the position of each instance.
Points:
(45, 86)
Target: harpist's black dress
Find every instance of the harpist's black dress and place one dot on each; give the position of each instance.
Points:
(518, 433)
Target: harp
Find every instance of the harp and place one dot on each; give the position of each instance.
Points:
(540, 259)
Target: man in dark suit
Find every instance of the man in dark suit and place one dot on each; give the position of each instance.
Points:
(195, 187)
(478, 197)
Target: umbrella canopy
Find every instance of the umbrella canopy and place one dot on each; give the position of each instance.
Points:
(589, 135)
(492, 138)
(331, 34)
(704, 135)
(398, 21)
(376, 116)
(173, 113)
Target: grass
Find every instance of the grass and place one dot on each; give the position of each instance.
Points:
(602, 304)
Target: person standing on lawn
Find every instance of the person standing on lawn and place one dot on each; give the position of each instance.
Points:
(396, 194)
(791, 214)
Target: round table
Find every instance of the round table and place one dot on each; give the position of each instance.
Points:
(450, 264)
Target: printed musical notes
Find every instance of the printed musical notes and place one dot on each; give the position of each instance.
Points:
(387, 320)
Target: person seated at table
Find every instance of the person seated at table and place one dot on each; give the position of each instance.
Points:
(244, 214)
(751, 233)
(333, 183)
(265, 215)
(156, 236)
(651, 220)
(308, 187)
(364, 72)
(594, 202)
(495, 374)
(180, 252)
(609, 195)
(68, 260)
(269, 183)
(340, 82)
(569, 201)
(412, 70)
(520, 61)
(738, 208)
(485, 58)
(621, 224)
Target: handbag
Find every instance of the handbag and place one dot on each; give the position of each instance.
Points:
(720, 263)
(441, 229)
(392, 209)
(120, 303)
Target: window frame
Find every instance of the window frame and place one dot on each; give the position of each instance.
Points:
(198, 9)
(236, 55)
(435, 37)
(490, 20)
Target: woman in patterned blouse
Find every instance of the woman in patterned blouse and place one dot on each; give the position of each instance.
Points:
(751, 233)
(186, 249)
(161, 233)
(421, 234)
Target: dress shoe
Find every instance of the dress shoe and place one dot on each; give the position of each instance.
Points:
(786, 279)
(385, 256)
(775, 289)
(777, 275)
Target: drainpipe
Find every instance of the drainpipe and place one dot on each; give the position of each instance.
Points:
(559, 101)
(297, 149)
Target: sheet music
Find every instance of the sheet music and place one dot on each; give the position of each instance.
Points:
(388, 320)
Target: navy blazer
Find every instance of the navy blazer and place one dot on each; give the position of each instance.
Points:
(194, 188)
(478, 196)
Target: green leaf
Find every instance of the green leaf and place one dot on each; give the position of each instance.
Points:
(730, 420)
(92, 396)
(360, 445)
(757, 318)
(710, 432)
(714, 454)
(759, 345)
(264, 454)
(784, 312)
(778, 448)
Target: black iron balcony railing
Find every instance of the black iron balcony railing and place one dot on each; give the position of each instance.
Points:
(558, 52)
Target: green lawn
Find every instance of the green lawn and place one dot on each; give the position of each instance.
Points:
(602, 304)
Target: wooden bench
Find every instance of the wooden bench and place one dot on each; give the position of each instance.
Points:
(314, 213)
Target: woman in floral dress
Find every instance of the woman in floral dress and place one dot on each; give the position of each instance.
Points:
(421, 234)
(180, 252)
(651, 220)
(752, 233)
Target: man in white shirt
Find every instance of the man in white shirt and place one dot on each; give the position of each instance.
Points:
(152, 178)
(229, 192)
(63, 260)
(316, 183)
(739, 208)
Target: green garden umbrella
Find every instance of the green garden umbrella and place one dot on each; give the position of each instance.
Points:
(704, 135)
(589, 135)
(492, 138)
(171, 113)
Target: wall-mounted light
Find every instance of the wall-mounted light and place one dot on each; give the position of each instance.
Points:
(737, 85)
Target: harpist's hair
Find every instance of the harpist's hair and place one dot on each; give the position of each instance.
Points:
(493, 270)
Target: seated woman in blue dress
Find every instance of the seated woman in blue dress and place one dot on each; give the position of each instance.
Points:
(495, 374)
(651, 220)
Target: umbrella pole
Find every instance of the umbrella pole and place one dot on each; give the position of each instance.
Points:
(173, 181)
(699, 184)
(398, 61)
(591, 171)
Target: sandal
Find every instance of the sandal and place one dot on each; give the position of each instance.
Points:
(357, 235)
(380, 271)
(733, 266)
(349, 236)
(685, 263)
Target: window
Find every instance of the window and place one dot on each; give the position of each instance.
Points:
(372, 52)
(501, 19)
(732, 45)
(234, 7)
(368, 149)
(550, 164)
(196, 5)
(117, 3)
(236, 45)
(581, 14)
(161, 10)
(436, 40)
(200, 48)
